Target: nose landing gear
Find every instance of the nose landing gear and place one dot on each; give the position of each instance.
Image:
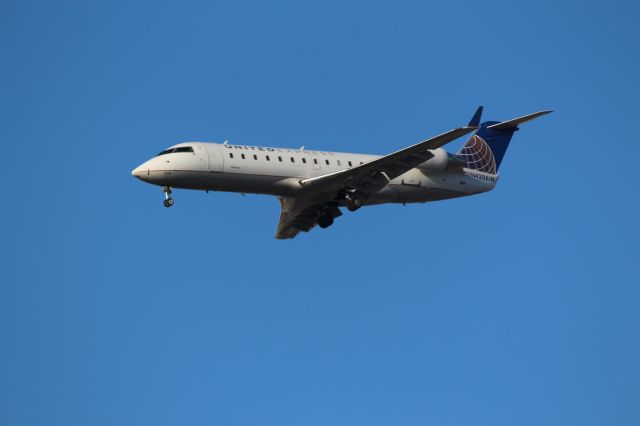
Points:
(168, 201)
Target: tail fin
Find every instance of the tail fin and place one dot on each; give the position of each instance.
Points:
(485, 149)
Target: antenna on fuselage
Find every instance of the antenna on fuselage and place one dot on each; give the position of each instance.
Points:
(226, 142)
(301, 148)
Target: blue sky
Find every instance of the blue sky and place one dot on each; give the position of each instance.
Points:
(515, 307)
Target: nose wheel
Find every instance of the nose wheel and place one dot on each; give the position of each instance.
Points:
(168, 201)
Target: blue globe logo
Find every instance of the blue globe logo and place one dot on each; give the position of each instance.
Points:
(478, 155)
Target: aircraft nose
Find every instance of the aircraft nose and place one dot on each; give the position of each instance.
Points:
(139, 172)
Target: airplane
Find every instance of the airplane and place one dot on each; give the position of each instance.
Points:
(313, 185)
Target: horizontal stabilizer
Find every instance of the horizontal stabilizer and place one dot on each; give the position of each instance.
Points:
(513, 124)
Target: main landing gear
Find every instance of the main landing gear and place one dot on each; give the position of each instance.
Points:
(325, 221)
(354, 201)
(327, 213)
(325, 217)
(168, 201)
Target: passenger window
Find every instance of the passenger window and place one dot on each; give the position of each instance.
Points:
(280, 159)
(327, 162)
(304, 160)
(315, 161)
(242, 156)
(231, 155)
(267, 157)
(350, 164)
(255, 157)
(361, 162)
(292, 160)
(339, 164)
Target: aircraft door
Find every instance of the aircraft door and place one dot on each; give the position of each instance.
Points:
(215, 157)
(201, 157)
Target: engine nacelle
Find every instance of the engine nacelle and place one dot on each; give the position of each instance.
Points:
(437, 163)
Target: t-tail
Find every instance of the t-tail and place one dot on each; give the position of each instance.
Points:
(485, 149)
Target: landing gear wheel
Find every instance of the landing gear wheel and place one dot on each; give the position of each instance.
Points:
(168, 201)
(354, 202)
(325, 221)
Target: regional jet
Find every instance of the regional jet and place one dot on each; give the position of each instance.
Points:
(313, 186)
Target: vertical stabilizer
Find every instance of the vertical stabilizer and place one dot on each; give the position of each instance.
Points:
(485, 150)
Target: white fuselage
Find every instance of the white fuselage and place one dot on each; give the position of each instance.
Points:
(278, 171)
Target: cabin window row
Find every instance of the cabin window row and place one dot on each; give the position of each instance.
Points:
(293, 160)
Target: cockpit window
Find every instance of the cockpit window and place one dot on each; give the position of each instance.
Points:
(178, 149)
(184, 149)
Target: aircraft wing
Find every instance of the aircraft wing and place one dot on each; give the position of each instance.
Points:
(375, 175)
(302, 212)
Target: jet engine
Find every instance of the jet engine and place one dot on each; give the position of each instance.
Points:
(441, 161)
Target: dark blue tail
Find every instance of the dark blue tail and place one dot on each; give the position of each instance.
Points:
(485, 150)
(498, 140)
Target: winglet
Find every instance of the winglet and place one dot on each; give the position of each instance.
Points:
(475, 120)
